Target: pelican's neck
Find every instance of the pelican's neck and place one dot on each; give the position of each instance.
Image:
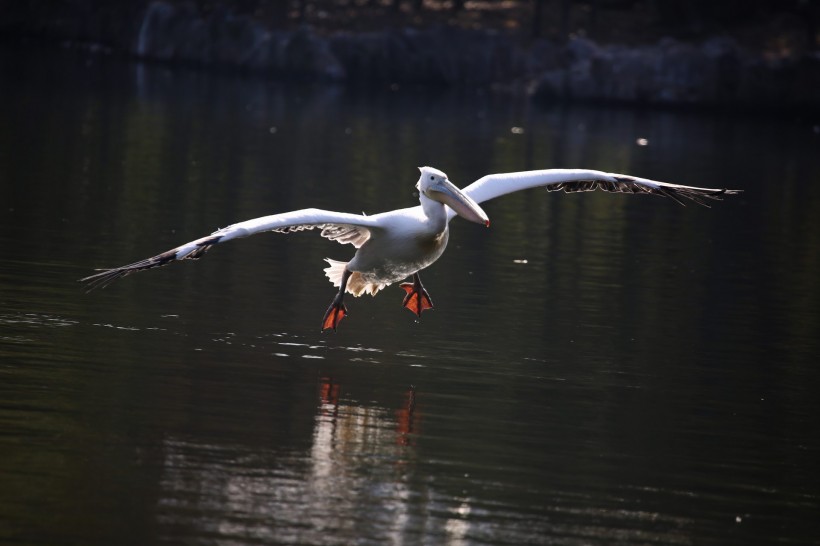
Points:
(435, 212)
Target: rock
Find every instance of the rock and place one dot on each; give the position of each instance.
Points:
(179, 33)
(715, 73)
(307, 56)
(439, 55)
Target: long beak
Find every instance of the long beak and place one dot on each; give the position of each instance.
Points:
(446, 192)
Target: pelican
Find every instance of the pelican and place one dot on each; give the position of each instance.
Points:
(396, 245)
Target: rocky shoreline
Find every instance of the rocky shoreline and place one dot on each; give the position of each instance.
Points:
(714, 73)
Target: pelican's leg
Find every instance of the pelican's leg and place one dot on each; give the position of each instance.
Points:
(417, 298)
(337, 310)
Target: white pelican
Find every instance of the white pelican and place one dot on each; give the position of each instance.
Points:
(394, 245)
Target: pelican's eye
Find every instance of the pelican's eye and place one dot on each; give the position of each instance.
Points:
(432, 177)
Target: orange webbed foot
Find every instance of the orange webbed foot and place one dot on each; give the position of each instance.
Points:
(417, 298)
(334, 315)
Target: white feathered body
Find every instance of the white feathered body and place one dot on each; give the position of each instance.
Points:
(406, 241)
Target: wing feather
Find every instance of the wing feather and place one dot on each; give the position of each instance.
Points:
(344, 228)
(580, 180)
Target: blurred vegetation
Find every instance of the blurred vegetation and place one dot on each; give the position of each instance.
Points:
(761, 23)
(778, 26)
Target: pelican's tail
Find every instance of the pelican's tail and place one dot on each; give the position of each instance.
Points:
(356, 284)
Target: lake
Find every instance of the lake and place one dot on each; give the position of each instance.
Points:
(599, 368)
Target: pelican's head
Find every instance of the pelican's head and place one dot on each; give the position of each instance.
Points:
(434, 185)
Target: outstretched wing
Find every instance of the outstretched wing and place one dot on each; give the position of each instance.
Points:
(575, 180)
(354, 229)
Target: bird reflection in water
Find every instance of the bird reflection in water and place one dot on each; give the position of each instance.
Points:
(329, 396)
(334, 413)
(405, 418)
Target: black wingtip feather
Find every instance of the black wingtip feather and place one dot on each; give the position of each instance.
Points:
(107, 276)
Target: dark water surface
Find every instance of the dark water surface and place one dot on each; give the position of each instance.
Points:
(599, 369)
